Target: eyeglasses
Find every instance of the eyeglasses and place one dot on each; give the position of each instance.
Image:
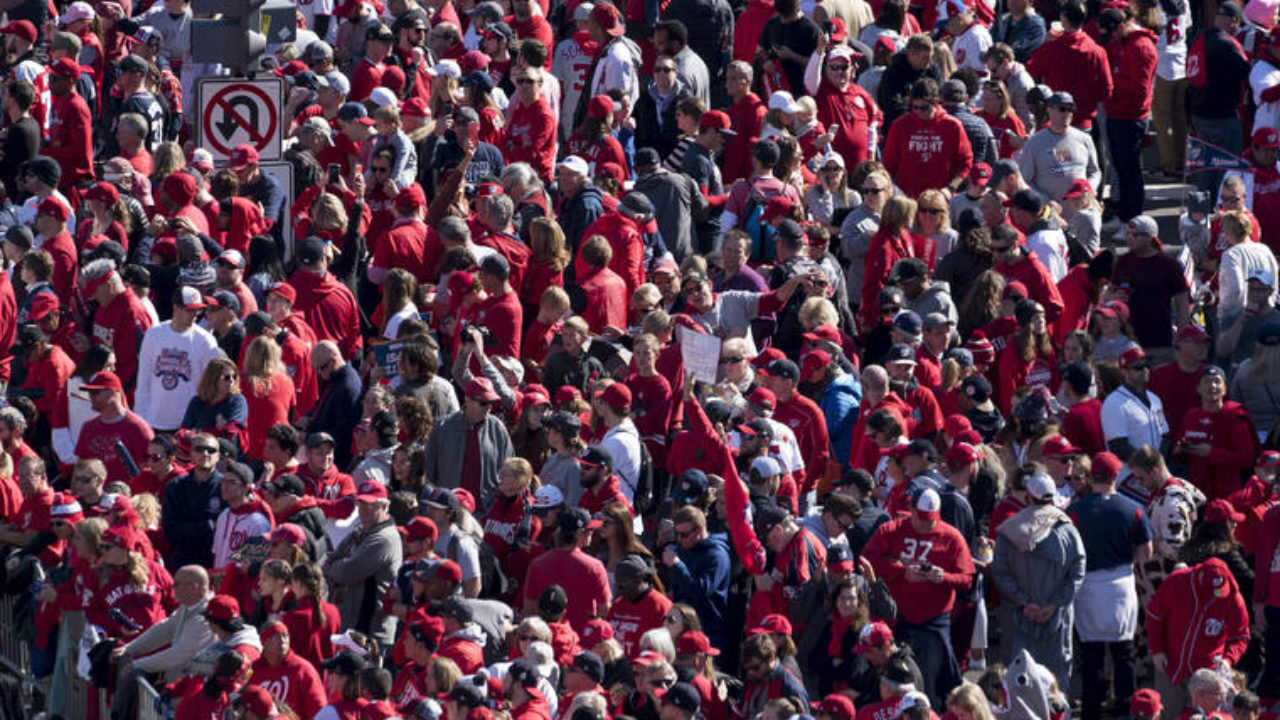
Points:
(685, 534)
(1229, 198)
(872, 190)
(664, 69)
(731, 360)
(210, 449)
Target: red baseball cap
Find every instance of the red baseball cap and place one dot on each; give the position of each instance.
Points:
(648, 657)
(52, 207)
(103, 192)
(481, 390)
(980, 174)
(929, 505)
(411, 198)
(1077, 188)
(371, 491)
(1132, 356)
(257, 700)
(222, 607)
(763, 398)
(1105, 465)
(778, 206)
(717, 120)
(42, 305)
(616, 395)
(449, 571)
(600, 107)
(962, 453)
(814, 361)
(838, 706)
(874, 635)
(105, 380)
(772, 624)
(415, 107)
(595, 632)
(24, 29)
(823, 332)
(1220, 510)
(1058, 446)
(955, 423)
(1113, 309)
(1145, 703)
(1266, 137)
(567, 394)
(242, 156)
(1191, 331)
(465, 499)
(608, 18)
(66, 507)
(766, 358)
(695, 642)
(284, 290)
(70, 69)
(289, 534)
(1269, 458)
(421, 528)
(1015, 288)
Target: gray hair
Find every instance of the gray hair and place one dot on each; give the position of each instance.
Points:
(1204, 680)
(500, 209)
(875, 378)
(454, 229)
(520, 176)
(98, 268)
(14, 419)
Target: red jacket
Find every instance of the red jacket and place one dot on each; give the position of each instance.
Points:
(627, 244)
(1077, 290)
(925, 154)
(866, 454)
(329, 308)
(9, 331)
(809, 424)
(853, 114)
(295, 682)
(310, 627)
(1266, 581)
(334, 491)
(1074, 63)
(537, 278)
(747, 117)
(366, 76)
(403, 245)
(462, 648)
(71, 139)
(883, 251)
(1190, 626)
(517, 254)
(1032, 273)
(65, 262)
(531, 137)
(1014, 372)
(1133, 70)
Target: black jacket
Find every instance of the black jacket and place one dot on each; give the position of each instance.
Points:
(657, 130)
(1228, 71)
(894, 95)
(188, 513)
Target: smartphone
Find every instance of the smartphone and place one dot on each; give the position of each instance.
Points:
(473, 133)
(335, 173)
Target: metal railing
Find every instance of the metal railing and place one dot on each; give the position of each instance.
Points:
(148, 702)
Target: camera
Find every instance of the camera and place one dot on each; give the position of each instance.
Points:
(465, 327)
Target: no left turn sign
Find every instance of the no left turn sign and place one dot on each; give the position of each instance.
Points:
(236, 111)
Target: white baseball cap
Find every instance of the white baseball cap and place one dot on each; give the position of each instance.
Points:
(1041, 487)
(445, 68)
(576, 164)
(929, 503)
(76, 12)
(783, 100)
(383, 97)
(548, 496)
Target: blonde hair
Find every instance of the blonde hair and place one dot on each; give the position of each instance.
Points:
(148, 509)
(817, 311)
(970, 698)
(899, 211)
(262, 362)
(935, 199)
(555, 298)
(1237, 225)
(523, 469)
(328, 212)
(547, 241)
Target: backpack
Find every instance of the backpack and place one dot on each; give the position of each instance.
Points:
(1197, 63)
(643, 498)
(493, 582)
(752, 222)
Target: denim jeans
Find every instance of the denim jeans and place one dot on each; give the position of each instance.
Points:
(1125, 137)
(1227, 134)
(931, 644)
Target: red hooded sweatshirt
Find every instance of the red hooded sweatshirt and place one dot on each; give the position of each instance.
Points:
(1232, 441)
(246, 221)
(627, 245)
(294, 681)
(1074, 63)
(925, 154)
(334, 491)
(1196, 616)
(853, 114)
(329, 308)
(1266, 582)
(1133, 69)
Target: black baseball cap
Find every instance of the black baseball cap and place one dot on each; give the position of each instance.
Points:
(590, 664)
(344, 663)
(575, 519)
(683, 696)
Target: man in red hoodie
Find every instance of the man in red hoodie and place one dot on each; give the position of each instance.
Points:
(287, 675)
(500, 312)
(803, 416)
(1131, 50)
(928, 149)
(404, 244)
(463, 641)
(1073, 63)
(618, 227)
(326, 304)
(1016, 264)
(845, 108)
(334, 491)
(1197, 619)
(1217, 438)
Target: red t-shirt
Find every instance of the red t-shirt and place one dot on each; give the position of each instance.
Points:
(98, 438)
(503, 316)
(631, 619)
(120, 325)
(267, 407)
(583, 578)
(1082, 425)
(653, 405)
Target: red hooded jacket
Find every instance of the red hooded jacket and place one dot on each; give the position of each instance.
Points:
(1196, 616)
(1074, 63)
(1133, 70)
(329, 308)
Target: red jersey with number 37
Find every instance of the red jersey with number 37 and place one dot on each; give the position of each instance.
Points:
(896, 544)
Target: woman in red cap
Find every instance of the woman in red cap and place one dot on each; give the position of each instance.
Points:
(1259, 494)
(110, 219)
(1215, 537)
(126, 596)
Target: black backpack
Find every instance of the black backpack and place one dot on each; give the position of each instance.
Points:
(493, 582)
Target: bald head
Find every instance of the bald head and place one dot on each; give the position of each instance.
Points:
(326, 358)
(875, 383)
(191, 584)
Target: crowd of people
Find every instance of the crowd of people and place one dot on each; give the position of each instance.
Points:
(720, 359)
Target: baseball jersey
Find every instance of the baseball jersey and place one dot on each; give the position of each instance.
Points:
(896, 544)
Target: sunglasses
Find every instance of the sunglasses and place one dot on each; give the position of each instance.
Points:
(685, 534)
(872, 190)
(156, 457)
(210, 449)
(838, 68)
(731, 360)
(932, 211)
